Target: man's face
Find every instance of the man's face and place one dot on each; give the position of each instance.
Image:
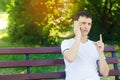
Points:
(85, 24)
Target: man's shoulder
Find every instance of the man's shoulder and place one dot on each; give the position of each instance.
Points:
(68, 40)
(92, 43)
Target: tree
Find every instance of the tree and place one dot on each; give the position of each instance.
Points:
(46, 22)
(34, 21)
(4, 4)
(106, 17)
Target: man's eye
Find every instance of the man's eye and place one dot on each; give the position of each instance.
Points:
(83, 22)
(89, 24)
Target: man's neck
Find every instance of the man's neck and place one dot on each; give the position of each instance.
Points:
(84, 39)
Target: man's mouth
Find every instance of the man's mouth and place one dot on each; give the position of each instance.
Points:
(85, 30)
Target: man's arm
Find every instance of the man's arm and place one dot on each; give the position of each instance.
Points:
(103, 66)
(71, 54)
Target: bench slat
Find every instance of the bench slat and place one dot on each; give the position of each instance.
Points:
(114, 73)
(111, 60)
(58, 62)
(51, 75)
(42, 50)
(6, 51)
(109, 49)
(13, 64)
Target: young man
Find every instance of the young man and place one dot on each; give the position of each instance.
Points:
(82, 56)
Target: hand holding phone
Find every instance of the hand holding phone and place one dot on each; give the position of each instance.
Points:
(77, 29)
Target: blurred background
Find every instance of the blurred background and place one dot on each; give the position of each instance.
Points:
(36, 23)
(48, 22)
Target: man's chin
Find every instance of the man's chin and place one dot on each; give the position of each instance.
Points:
(84, 35)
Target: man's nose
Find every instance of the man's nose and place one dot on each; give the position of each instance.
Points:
(86, 25)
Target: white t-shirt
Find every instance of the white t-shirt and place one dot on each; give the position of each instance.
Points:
(84, 67)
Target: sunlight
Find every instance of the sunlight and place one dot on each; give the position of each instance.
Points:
(3, 20)
(3, 24)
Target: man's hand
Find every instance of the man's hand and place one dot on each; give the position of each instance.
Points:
(100, 45)
(103, 66)
(77, 30)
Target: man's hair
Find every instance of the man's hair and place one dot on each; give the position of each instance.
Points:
(82, 13)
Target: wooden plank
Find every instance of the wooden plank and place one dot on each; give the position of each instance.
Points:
(58, 62)
(109, 49)
(6, 51)
(14, 64)
(114, 73)
(50, 75)
(41, 50)
(111, 60)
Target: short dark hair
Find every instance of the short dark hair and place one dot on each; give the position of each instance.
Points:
(82, 13)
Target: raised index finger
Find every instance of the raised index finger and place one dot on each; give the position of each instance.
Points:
(100, 37)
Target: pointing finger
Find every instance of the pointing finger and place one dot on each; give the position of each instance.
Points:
(100, 37)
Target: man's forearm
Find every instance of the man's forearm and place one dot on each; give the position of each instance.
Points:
(72, 53)
(103, 66)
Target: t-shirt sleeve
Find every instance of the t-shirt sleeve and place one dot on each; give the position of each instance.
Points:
(65, 45)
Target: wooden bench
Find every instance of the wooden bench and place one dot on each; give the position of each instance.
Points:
(55, 62)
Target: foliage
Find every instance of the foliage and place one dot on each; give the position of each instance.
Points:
(105, 18)
(40, 21)
(47, 22)
(4, 4)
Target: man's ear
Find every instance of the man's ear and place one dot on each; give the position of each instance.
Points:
(80, 28)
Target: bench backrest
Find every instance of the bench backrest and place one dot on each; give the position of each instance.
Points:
(47, 62)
